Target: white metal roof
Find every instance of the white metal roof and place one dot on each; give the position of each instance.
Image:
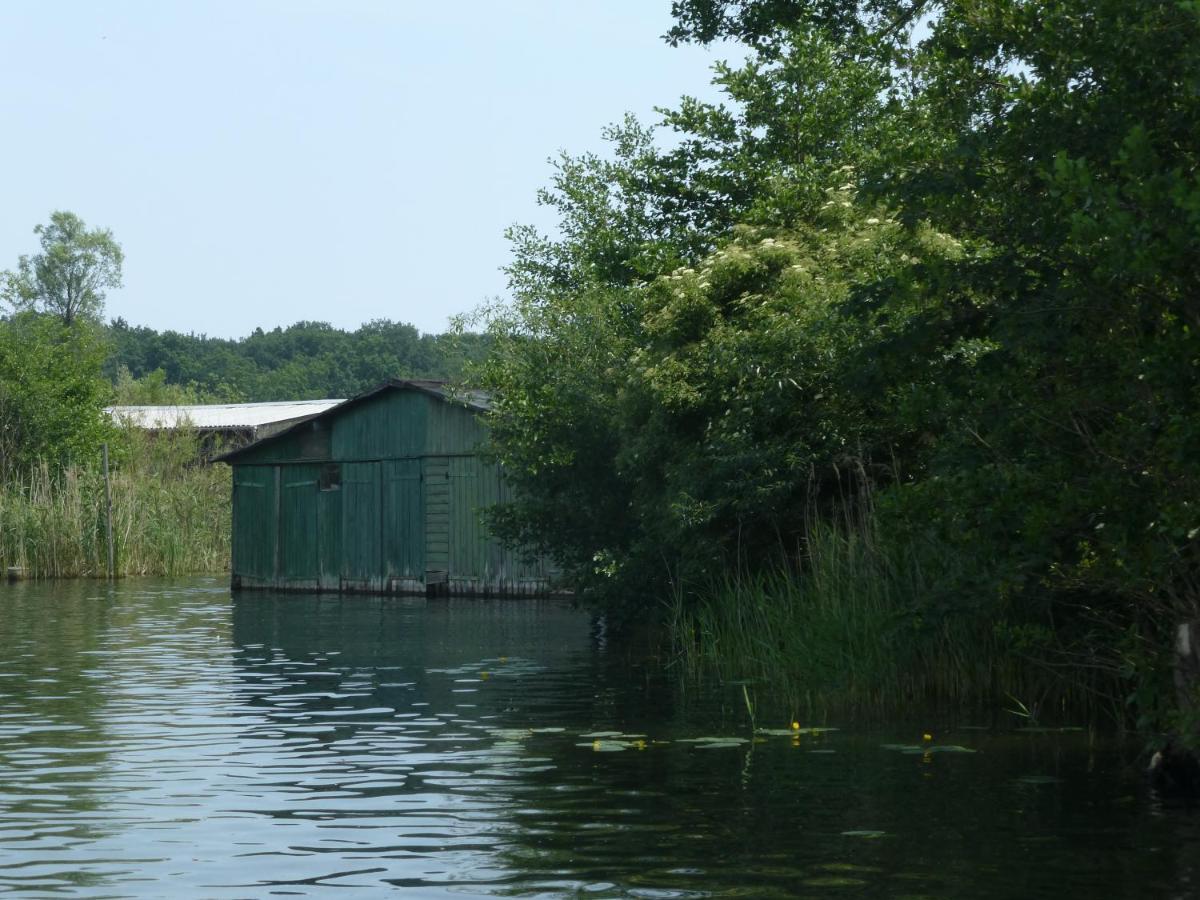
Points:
(219, 415)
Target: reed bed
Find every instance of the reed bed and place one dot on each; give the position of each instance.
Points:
(851, 630)
(171, 514)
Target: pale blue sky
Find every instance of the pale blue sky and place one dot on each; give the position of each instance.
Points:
(265, 161)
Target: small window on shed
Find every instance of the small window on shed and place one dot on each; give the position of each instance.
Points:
(331, 477)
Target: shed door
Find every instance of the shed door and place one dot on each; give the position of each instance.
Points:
(298, 523)
(254, 522)
(403, 534)
(329, 526)
(361, 521)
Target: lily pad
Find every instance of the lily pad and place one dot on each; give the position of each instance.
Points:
(614, 745)
(606, 746)
(864, 833)
(790, 732)
(601, 734)
(730, 741)
(1039, 779)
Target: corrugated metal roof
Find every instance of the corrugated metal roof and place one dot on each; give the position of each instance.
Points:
(219, 415)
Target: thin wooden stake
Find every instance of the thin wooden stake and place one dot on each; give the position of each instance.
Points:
(108, 512)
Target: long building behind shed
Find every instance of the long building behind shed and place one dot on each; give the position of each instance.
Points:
(233, 423)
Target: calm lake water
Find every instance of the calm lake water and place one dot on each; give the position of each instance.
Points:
(164, 739)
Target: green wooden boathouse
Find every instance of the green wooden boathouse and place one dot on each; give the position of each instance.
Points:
(383, 493)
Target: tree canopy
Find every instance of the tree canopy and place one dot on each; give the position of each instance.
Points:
(938, 259)
(304, 361)
(71, 275)
(51, 394)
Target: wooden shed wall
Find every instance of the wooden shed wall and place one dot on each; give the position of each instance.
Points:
(406, 516)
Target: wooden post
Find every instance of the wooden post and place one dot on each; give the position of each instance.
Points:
(108, 513)
(1175, 769)
(1187, 665)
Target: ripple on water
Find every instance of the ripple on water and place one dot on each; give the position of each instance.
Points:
(169, 740)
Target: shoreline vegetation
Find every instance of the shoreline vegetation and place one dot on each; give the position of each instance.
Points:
(845, 630)
(170, 513)
(885, 366)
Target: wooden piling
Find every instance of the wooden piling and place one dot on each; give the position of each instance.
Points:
(108, 514)
(1187, 665)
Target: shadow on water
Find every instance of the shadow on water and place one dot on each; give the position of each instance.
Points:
(169, 739)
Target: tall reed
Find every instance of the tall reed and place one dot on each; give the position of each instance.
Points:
(171, 513)
(850, 628)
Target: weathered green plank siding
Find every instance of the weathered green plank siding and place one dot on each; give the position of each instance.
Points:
(403, 518)
(361, 526)
(388, 426)
(329, 538)
(452, 429)
(480, 563)
(254, 522)
(472, 554)
(435, 475)
(309, 442)
(298, 524)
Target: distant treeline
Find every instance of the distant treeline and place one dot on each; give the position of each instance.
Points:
(308, 360)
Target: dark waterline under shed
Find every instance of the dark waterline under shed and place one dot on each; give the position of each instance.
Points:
(384, 493)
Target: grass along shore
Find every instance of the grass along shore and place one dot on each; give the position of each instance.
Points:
(171, 515)
(850, 630)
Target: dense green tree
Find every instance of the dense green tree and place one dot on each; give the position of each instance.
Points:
(51, 393)
(69, 278)
(998, 343)
(555, 373)
(764, 24)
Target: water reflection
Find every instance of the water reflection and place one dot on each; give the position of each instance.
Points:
(169, 740)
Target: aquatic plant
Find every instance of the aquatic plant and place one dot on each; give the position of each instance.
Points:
(851, 627)
(170, 513)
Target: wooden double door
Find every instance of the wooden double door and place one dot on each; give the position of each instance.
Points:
(352, 525)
